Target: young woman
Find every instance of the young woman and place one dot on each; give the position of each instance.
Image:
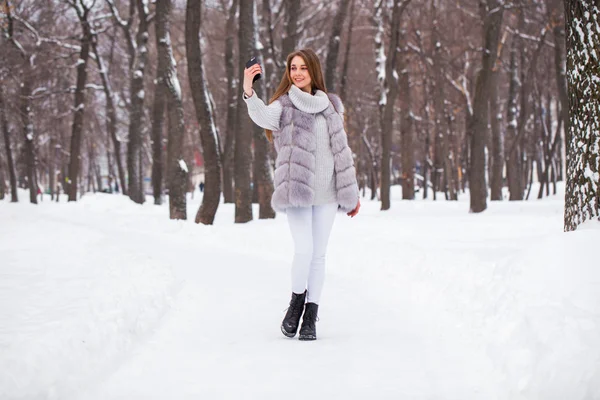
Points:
(314, 174)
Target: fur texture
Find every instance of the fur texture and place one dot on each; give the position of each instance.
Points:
(295, 144)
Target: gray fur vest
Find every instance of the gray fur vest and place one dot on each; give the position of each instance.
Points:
(295, 144)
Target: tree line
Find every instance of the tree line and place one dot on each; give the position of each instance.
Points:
(440, 97)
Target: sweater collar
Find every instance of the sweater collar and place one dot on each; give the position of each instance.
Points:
(307, 102)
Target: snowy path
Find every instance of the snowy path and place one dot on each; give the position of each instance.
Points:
(422, 302)
(223, 341)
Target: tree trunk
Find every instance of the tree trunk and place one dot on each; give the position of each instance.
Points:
(557, 21)
(177, 171)
(204, 115)
(232, 93)
(582, 195)
(243, 140)
(406, 127)
(111, 114)
(388, 99)
(160, 100)
(497, 166)
(136, 112)
(271, 58)
(290, 39)
(449, 158)
(262, 172)
(477, 125)
(9, 156)
(439, 138)
(344, 79)
(77, 132)
(333, 47)
(512, 147)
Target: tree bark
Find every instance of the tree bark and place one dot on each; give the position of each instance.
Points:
(177, 171)
(344, 79)
(111, 114)
(80, 95)
(497, 165)
(232, 93)
(290, 40)
(262, 172)
(512, 148)
(333, 47)
(582, 195)
(243, 138)
(160, 99)
(14, 197)
(492, 13)
(406, 126)
(439, 138)
(204, 114)
(134, 145)
(388, 99)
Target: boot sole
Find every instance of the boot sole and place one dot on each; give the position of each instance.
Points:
(307, 337)
(287, 334)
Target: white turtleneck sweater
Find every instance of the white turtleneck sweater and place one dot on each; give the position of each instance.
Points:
(269, 116)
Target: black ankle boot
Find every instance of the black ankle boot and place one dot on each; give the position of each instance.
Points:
(308, 331)
(290, 323)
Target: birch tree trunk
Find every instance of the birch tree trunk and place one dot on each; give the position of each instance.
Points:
(582, 195)
(208, 131)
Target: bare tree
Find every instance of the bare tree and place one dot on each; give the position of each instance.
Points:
(406, 122)
(388, 76)
(333, 47)
(232, 89)
(497, 142)
(7, 148)
(243, 139)
(204, 115)
(134, 145)
(82, 10)
(492, 12)
(177, 170)
(111, 111)
(290, 38)
(160, 101)
(27, 62)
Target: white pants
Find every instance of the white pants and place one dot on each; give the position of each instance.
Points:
(310, 227)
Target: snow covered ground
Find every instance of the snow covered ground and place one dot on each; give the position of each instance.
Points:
(105, 299)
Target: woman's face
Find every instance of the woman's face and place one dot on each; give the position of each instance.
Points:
(299, 74)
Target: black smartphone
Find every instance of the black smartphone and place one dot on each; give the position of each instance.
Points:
(250, 63)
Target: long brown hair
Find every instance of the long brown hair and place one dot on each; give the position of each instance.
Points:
(314, 70)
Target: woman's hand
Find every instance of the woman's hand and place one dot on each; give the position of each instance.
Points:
(249, 74)
(355, 211)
